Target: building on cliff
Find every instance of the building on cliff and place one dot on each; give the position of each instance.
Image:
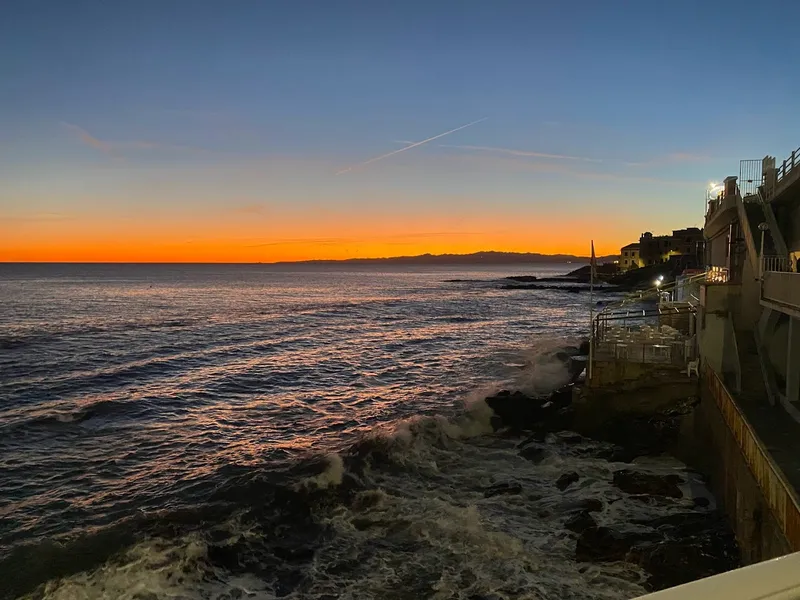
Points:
(684, 248)
(750, 306)
(629, 257)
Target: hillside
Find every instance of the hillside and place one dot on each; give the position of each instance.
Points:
(476, 258)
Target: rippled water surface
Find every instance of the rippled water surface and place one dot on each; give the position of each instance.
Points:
(178, 431)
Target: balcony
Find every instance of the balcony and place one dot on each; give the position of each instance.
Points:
(781, 291)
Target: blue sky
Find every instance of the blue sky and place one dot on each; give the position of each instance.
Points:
(110, 109)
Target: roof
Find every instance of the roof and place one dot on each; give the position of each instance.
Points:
(634, 246)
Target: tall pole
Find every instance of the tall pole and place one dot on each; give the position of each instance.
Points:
(591, 313)
(763, 227)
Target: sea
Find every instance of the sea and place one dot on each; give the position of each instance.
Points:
(264, 431)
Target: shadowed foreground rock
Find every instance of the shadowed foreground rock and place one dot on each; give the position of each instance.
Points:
(634, 482)
(673, 550)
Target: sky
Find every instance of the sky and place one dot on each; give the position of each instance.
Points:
(211, 131)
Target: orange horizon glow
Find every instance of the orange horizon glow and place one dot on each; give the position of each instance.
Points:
(256, 237)
(147, 249)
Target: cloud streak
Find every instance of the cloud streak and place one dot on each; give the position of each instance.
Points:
(409, 147)
(115, 148)
(526, 153)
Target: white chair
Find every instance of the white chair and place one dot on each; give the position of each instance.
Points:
(693, 366)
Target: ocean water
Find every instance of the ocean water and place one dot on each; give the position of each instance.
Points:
(249, 431)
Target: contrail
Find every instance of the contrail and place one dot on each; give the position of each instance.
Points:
(414, 145)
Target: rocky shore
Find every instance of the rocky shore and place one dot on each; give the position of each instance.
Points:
(691, 544)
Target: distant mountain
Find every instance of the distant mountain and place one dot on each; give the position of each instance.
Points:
(476, 258)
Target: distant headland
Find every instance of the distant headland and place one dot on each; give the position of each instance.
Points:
(476, 258)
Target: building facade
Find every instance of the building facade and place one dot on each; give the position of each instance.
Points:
(629, 257)
(684, 247)
(750, 303)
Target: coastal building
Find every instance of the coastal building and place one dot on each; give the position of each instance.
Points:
(752, 298)
(749, 344)
(629, 257)
(683, 248)
(734, 328)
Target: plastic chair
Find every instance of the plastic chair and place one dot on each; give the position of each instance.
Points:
(693, 366)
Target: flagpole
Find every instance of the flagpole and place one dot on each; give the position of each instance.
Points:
(591, 314)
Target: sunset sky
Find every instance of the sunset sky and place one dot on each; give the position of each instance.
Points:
(218, 131)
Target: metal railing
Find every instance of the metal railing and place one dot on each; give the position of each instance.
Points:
(675, 352)
(779, 493)
(779, 264)
(750, 177)
(784, 174)
(718, 275)
(788, 166)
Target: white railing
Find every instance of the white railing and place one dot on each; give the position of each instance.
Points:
(776, 579)
(779, 264)
(718, 275)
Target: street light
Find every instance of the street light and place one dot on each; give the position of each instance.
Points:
(763, 228)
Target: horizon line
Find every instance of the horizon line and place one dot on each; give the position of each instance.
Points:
(560, 256)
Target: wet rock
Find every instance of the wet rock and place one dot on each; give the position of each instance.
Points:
(506, 487)
(535, 454)
(580, 522)
(521, 412)
(638, 483)
(286, 581)
(537, 437)
(673, 562)
(602, 544)
(293, 554)
(566, 480)
(569, 437)
(611, 453)
(592, 505)
(562, 397)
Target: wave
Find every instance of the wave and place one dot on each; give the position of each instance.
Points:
(424, 507)
(66, 418)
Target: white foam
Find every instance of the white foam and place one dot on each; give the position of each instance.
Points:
(156, 568)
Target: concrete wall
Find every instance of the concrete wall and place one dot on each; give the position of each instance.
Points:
(749, 303)
(707, 444)
(717, 344)
(717, 249)
(784, 290)
(777, 346)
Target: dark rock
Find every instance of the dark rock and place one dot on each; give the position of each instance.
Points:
(674, 562)
(688, 524)
(286, 581)
(601, 544)
(506, 487)
(535, 454)
(701, 502)
(641, 435)
(566, 480)
(635, 482)
(580, 522)
(592, 505)
(521, 412)
(569, 437)
(562, 397)
(662, 501)
(537, 437)
(522, 278)
(515, 409)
